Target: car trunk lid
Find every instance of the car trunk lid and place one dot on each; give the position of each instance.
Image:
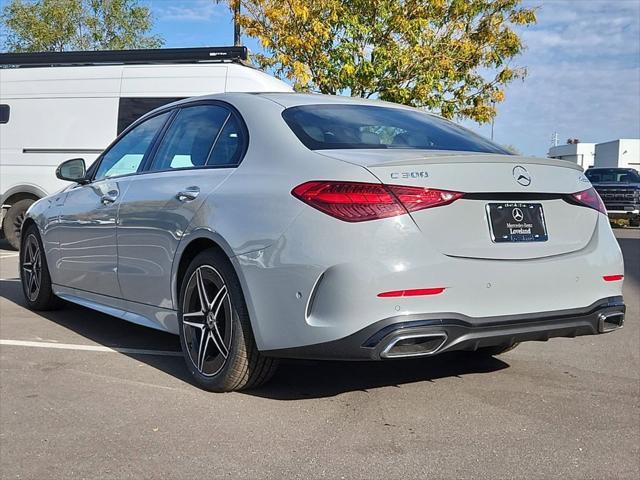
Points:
(494, 185)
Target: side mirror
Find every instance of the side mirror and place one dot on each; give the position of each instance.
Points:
(73, 170)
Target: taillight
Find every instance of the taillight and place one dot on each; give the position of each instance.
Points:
(358, 202)
(589, 198)
(417, 198)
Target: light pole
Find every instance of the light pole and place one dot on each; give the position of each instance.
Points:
(493, 104)
(235, 9)
(236, 25)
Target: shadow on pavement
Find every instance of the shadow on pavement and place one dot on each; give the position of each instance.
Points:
(299, 379)
(4, 245)
(631, 250)
(295, 379)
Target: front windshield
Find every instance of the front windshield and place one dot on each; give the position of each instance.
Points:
(617, 175)
(337, 126)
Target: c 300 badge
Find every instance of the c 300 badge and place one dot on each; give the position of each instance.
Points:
(398, 175)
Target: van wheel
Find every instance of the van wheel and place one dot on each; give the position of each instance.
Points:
(215, 330)
(34, 273)
(12, 224)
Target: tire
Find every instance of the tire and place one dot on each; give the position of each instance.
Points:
(218, 345)
(497, 350)
(34, 273)
(12, 223)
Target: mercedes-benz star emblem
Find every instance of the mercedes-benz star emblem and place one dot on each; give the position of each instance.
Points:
(517, 214)
(522, 176)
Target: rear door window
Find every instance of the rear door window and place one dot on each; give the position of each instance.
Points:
(227, 149)
(196, 135)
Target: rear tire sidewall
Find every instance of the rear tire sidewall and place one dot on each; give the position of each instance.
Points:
(227, 378)
(8, 227)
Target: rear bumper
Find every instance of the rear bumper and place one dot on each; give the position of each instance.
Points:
(447, 332)
(623, 212)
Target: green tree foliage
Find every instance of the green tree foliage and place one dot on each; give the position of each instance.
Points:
(513, 149)
(451, 56)
(59, 25)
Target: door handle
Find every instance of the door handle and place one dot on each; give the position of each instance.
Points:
(109, 197)
(188, 194)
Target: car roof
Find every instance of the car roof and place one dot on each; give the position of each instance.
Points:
(292, 99)
(285, 100)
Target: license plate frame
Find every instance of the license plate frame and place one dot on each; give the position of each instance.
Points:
(516, 222)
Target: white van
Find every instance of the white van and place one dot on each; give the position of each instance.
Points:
(56, 106)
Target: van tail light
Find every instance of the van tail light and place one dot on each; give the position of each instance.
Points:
(589, 198)
(358, 202)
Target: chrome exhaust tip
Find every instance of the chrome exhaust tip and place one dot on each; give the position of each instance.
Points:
(414, 345)
(609, 321)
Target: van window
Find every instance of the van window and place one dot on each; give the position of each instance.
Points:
(190, 138)
(127, 154)
(4, 113)
(131, 109)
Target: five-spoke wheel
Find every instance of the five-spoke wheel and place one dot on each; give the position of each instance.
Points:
(215, 330)
(206, 321)
(32, 267)
(34, 272)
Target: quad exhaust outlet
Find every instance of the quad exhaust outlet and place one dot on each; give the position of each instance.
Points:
(414, 345)
(610, 321)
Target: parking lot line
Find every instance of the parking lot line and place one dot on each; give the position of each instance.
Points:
(91, 348)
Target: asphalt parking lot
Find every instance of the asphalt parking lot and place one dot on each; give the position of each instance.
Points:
(567, 408)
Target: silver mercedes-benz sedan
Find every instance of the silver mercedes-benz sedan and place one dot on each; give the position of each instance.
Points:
(262, 226)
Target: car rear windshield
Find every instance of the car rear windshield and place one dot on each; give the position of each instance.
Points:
(602, 175)
(332, 126)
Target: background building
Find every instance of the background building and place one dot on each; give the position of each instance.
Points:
(624, 153)
(619, 153)
(581, 153)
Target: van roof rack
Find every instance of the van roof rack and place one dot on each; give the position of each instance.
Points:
(118, 57)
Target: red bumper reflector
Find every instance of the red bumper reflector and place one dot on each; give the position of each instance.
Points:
(612, 278)
(412, 293)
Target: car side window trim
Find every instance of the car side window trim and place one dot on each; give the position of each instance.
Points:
(233, 112)
(146, 163)
(93, 170)
(215, 141)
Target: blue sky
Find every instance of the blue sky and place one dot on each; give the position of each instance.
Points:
(583, 59)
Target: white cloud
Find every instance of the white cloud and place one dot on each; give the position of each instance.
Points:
(187, 10)
(583, 59)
